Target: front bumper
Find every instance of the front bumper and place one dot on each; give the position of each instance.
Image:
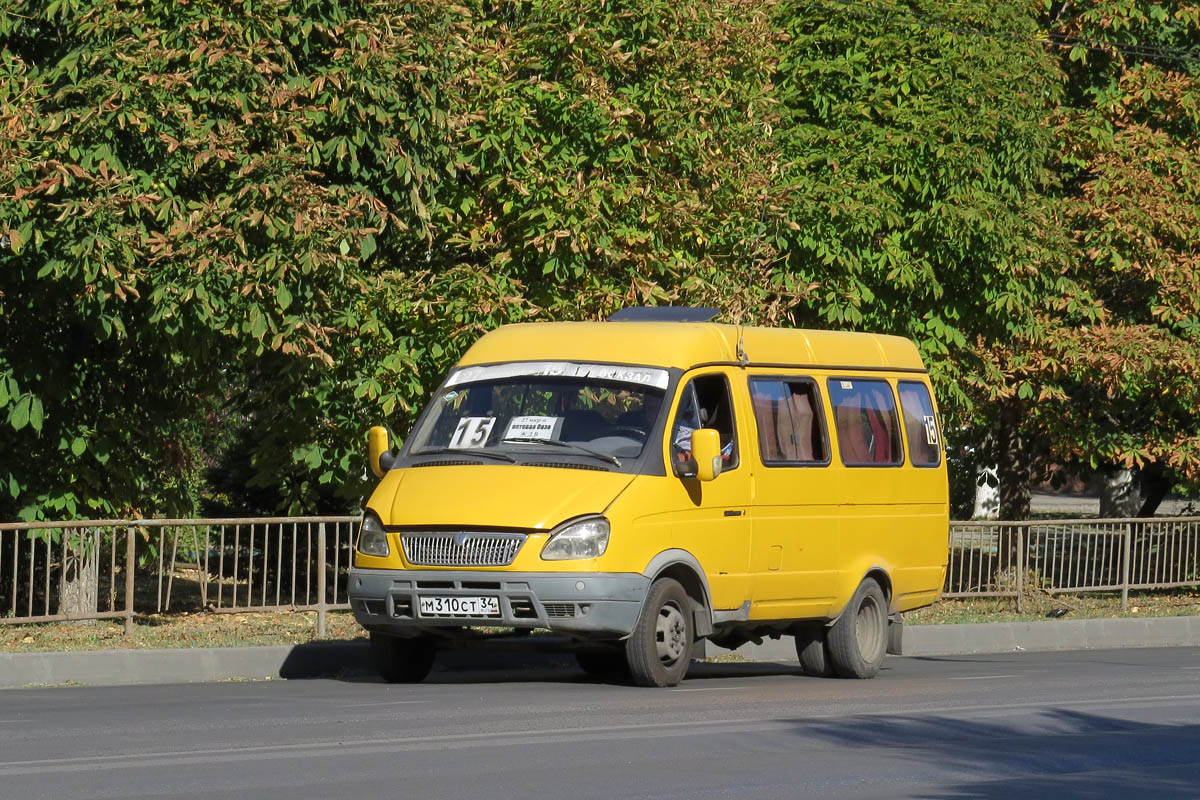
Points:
(584, 604)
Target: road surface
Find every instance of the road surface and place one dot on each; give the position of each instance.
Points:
(1096, 724)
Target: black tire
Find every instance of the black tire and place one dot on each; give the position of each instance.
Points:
(813, 652)
(858, 640)
(603, 661)
(659, 650)
(402, 660)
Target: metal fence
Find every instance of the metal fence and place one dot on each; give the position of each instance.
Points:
(1006, 559)
(116, 569)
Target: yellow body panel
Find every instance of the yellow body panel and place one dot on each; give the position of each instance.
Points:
(776, 542)
(686, 345)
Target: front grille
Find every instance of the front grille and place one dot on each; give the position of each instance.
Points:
(461, 549)
(559, 609)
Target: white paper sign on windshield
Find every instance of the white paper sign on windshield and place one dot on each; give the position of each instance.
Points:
(472, 432)
(534, 427)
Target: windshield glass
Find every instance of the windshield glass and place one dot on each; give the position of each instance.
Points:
(594, 411)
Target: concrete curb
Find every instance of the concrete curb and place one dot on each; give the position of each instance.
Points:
(348, 659)
(1007, 637)
(1075, 634)
(191, 665)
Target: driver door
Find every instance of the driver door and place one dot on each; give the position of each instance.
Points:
(711, 520)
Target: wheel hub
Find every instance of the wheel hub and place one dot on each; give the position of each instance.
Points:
(671, 635)
(868, 627)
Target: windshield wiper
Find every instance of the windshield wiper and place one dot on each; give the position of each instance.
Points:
(585, 450)
(465, 451)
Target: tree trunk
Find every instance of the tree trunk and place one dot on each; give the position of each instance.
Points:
(1121, 497)
(1155, 485)
(987, 493)
(79, 582)
(1014, 464)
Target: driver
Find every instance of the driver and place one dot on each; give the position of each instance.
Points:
(643, 418)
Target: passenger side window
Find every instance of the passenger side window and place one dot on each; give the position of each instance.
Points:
(790, 423)
(705, 403)
(920, 424)
(864, 411)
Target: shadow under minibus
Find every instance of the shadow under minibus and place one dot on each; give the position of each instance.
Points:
(495, 662)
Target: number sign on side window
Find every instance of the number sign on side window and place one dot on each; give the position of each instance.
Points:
(920, 423)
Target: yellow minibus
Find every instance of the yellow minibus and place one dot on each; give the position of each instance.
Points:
(642, 484)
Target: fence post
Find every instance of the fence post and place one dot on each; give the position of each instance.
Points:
(1021, 569)
(130, 564)
(1125, 556)
(321, 580)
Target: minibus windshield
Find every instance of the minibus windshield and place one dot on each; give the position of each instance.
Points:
(600, 411)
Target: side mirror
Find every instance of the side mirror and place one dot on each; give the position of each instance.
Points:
(379, 444)
(706, 450)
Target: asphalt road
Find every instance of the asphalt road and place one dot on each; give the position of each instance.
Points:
(1096, 724)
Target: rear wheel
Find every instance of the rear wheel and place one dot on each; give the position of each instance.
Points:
(402, 660)
(858, 640)
(660, 648)
(813, 651)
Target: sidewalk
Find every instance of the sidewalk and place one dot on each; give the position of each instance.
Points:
(350, 659)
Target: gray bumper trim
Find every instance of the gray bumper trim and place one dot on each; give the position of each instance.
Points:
(588, 604)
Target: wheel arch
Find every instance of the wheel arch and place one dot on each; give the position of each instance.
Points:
(875, 571)
(683, 567)
(884, 580)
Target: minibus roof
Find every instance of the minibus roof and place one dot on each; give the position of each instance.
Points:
(690, 344)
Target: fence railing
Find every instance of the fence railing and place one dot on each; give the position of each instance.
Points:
(106, 569)
(117, 569)
(1005, 559)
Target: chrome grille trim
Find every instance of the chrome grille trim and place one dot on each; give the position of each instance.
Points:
(461, 548)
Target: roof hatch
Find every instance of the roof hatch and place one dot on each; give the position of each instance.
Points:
(664, 314)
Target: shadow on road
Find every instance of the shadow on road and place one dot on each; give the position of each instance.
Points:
(1057, 753)
(453, 668)
(351, 661)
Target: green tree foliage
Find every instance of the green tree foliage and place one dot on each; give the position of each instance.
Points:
(1117, 380)
(254, 234)
(614, 151)
(194, 199)
(913, 161)
(294, 221)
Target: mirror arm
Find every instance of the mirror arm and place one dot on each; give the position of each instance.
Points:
(685, 469)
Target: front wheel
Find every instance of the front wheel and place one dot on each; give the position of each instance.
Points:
(660, 648)
(402, 660)
(858, 640)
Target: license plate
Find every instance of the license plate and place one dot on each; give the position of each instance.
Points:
(460, 606)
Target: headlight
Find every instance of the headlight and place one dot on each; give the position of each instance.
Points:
(372, 538)
(586, 538)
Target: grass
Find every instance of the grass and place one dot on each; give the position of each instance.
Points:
(200, 629)
(1041, 606)
(209, 629)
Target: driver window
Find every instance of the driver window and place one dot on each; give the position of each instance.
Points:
(705, 403)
